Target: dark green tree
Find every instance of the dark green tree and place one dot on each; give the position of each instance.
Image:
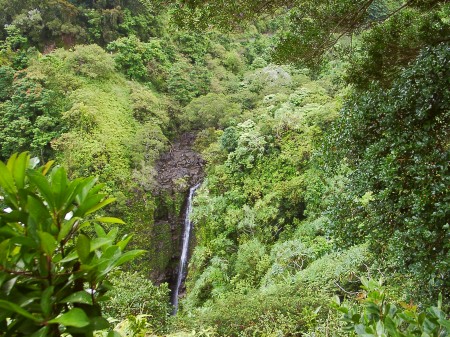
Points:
(397, 30)
(395, 147)
(29, 119)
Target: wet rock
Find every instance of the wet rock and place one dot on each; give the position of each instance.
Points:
(180, 167)
(177, 170)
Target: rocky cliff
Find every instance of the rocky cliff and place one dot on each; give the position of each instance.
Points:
(177, 170)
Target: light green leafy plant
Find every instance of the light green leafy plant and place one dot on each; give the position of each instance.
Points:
(54, 254)
(380, 318)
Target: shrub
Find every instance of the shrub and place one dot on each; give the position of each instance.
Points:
(54, 254)
(134, 295)
(378, 317)
(91, 61)
(394, 194)
(211, 110)
(186, 81)
(6, 81)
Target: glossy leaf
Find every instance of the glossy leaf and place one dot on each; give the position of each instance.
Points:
(9, 306)
(6, 180)
(46, 300)
(78, 297)
(100, 205)
(110, 220)
(48, 242)
(19, 167)
(83, 247)
(75, 317)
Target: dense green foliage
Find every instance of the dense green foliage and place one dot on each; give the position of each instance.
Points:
(395, 145)
(398, 29)
(381, 318)
(319, 174)
(55, 255)
(28, 117)
(135, 295)
(62, 22)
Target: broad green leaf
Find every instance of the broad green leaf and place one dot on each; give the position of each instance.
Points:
(365, 283)
(24, 241)
(360, 329)
(112, 253)
(43, 265)
(48, 242)
(83, 247)
(8, 231)
(124, 242)
(43, 186)
(428, 326)
(59, 185)
(372, 308)
(337, 300)
(7, 181)
(407, 316)
(100, 205)
(83, 189)
(47, 167)
(42, 332)
(99, 231)
(8, 285)
(100, 242)
(17, 309)
(38, 213)
(110, 220)
(69, 195)
(4, 251)
(380, 328)
(78, 297)
(11, 161)
(112, 235)
(356, 318)
(84, 224)
(390, 326)
(96, 189)
(445, 323)
(436, 312)
(19, 169)
(391, 309)
(72, 256)
(89, 202)
(128, 256)
(66, 227)
(99, 323)
(107, 261)
(46, 300)
(421, 318)
(75, 317)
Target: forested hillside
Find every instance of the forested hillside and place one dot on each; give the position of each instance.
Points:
(319, 132)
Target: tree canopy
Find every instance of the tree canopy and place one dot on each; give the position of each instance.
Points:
(395, 30)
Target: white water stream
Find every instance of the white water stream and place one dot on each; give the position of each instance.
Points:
(185, 248)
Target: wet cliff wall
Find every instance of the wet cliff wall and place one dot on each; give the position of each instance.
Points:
(176, 171)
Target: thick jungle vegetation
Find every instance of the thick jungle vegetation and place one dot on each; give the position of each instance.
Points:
(325, 129)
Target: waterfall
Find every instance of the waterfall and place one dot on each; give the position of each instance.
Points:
(185, 248)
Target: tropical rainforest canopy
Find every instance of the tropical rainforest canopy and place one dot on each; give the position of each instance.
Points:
(321, 131)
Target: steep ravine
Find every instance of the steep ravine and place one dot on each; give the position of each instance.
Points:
(177, 170)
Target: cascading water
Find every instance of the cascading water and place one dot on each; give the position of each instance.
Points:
(185, 248)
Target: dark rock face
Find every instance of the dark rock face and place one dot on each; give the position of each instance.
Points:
(180, 168)
(177, 170)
